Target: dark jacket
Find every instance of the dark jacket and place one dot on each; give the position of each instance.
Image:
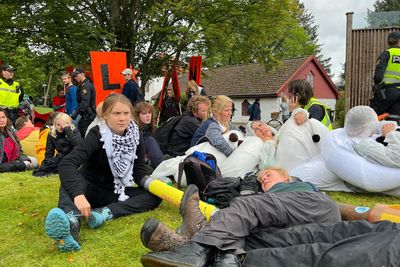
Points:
(170, 108)
(64, 142)
(182, 134)
(95, 167)
(255, 112)
(86, 96)
(131, 91)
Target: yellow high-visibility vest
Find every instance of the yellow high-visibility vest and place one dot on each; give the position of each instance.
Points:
(9, 94)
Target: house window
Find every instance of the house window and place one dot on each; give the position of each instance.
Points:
(245, 106)
(310, 78)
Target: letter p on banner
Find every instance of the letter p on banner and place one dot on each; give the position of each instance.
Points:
(106, 69)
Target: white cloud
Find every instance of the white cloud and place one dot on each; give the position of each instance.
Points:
(330, 15)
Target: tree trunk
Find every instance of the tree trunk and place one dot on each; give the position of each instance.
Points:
(48, 88)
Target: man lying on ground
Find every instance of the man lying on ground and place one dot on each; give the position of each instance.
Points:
(284, 204)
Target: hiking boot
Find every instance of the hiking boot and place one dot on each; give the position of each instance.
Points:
(98, 216)
(158, 237)
(192, 217)
(64, 228)
(191, 254)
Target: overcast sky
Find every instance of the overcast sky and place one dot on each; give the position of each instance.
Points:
(330, 15)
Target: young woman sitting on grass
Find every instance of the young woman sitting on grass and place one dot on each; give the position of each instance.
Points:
(144, 116)
(102, 178)
(12, 158)
(61, 140)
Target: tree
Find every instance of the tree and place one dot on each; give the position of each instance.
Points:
(154, 32)
(307, 21)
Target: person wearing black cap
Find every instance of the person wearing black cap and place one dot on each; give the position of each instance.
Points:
(86, 97)
(11, 92)
(387, 78)
(131, 88)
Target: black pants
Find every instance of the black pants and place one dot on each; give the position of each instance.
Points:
(356, 243)
(139, 200)
(390, 104)
(13, 166)
(84, 123)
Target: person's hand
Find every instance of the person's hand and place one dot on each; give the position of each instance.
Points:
(300, 118)
(83, 205)
(387, 128)
(63, 105)
(60, 125)
(293, 103)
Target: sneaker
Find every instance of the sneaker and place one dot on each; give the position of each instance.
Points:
(98, 216)
(64, 228)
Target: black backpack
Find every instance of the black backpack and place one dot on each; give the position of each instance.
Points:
(200, 169)
(164, 132)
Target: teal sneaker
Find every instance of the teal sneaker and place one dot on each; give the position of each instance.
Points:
(64, 228)
(98, 216)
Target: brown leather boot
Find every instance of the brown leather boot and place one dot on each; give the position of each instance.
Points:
(192, 217)
(158, 237)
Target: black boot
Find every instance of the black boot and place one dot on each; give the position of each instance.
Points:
(223, 259)
(192, 254)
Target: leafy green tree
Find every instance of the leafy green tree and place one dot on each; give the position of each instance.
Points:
(155, 33)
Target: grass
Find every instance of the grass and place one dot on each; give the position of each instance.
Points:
(25, 201)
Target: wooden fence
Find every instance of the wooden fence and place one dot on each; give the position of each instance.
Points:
(363, 46)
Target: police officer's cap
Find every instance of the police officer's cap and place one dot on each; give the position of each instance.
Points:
(394, 35)
(7, 67)
(77, 70)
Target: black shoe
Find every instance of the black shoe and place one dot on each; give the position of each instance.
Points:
(192, 254)
(223, 259)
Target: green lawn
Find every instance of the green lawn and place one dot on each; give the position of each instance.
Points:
(25, 201)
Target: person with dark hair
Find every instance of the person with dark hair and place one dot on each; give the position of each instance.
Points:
(12, 158)
(86, 97)
(144, 116)
(255, 111)
(387, 78)
(301, 95)
(170, 107)
(101, 179)
(59, 99)
(11, 92)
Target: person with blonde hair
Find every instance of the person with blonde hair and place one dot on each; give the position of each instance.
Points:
(241, 226)
(212, 130)
(102, 178)
(61, 140)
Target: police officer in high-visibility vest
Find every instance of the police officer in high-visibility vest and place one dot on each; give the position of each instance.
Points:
(387, 78)
(302, 95)
(11, 92)
(86, 96)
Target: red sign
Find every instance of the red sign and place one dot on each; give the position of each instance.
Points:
(106, 69)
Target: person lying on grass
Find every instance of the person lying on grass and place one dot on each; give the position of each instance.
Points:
(102, 178)
(285, 203)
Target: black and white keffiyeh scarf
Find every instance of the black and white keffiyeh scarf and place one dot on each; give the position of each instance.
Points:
(121, 154)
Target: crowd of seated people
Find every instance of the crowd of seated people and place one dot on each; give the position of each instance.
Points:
(103, 173)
